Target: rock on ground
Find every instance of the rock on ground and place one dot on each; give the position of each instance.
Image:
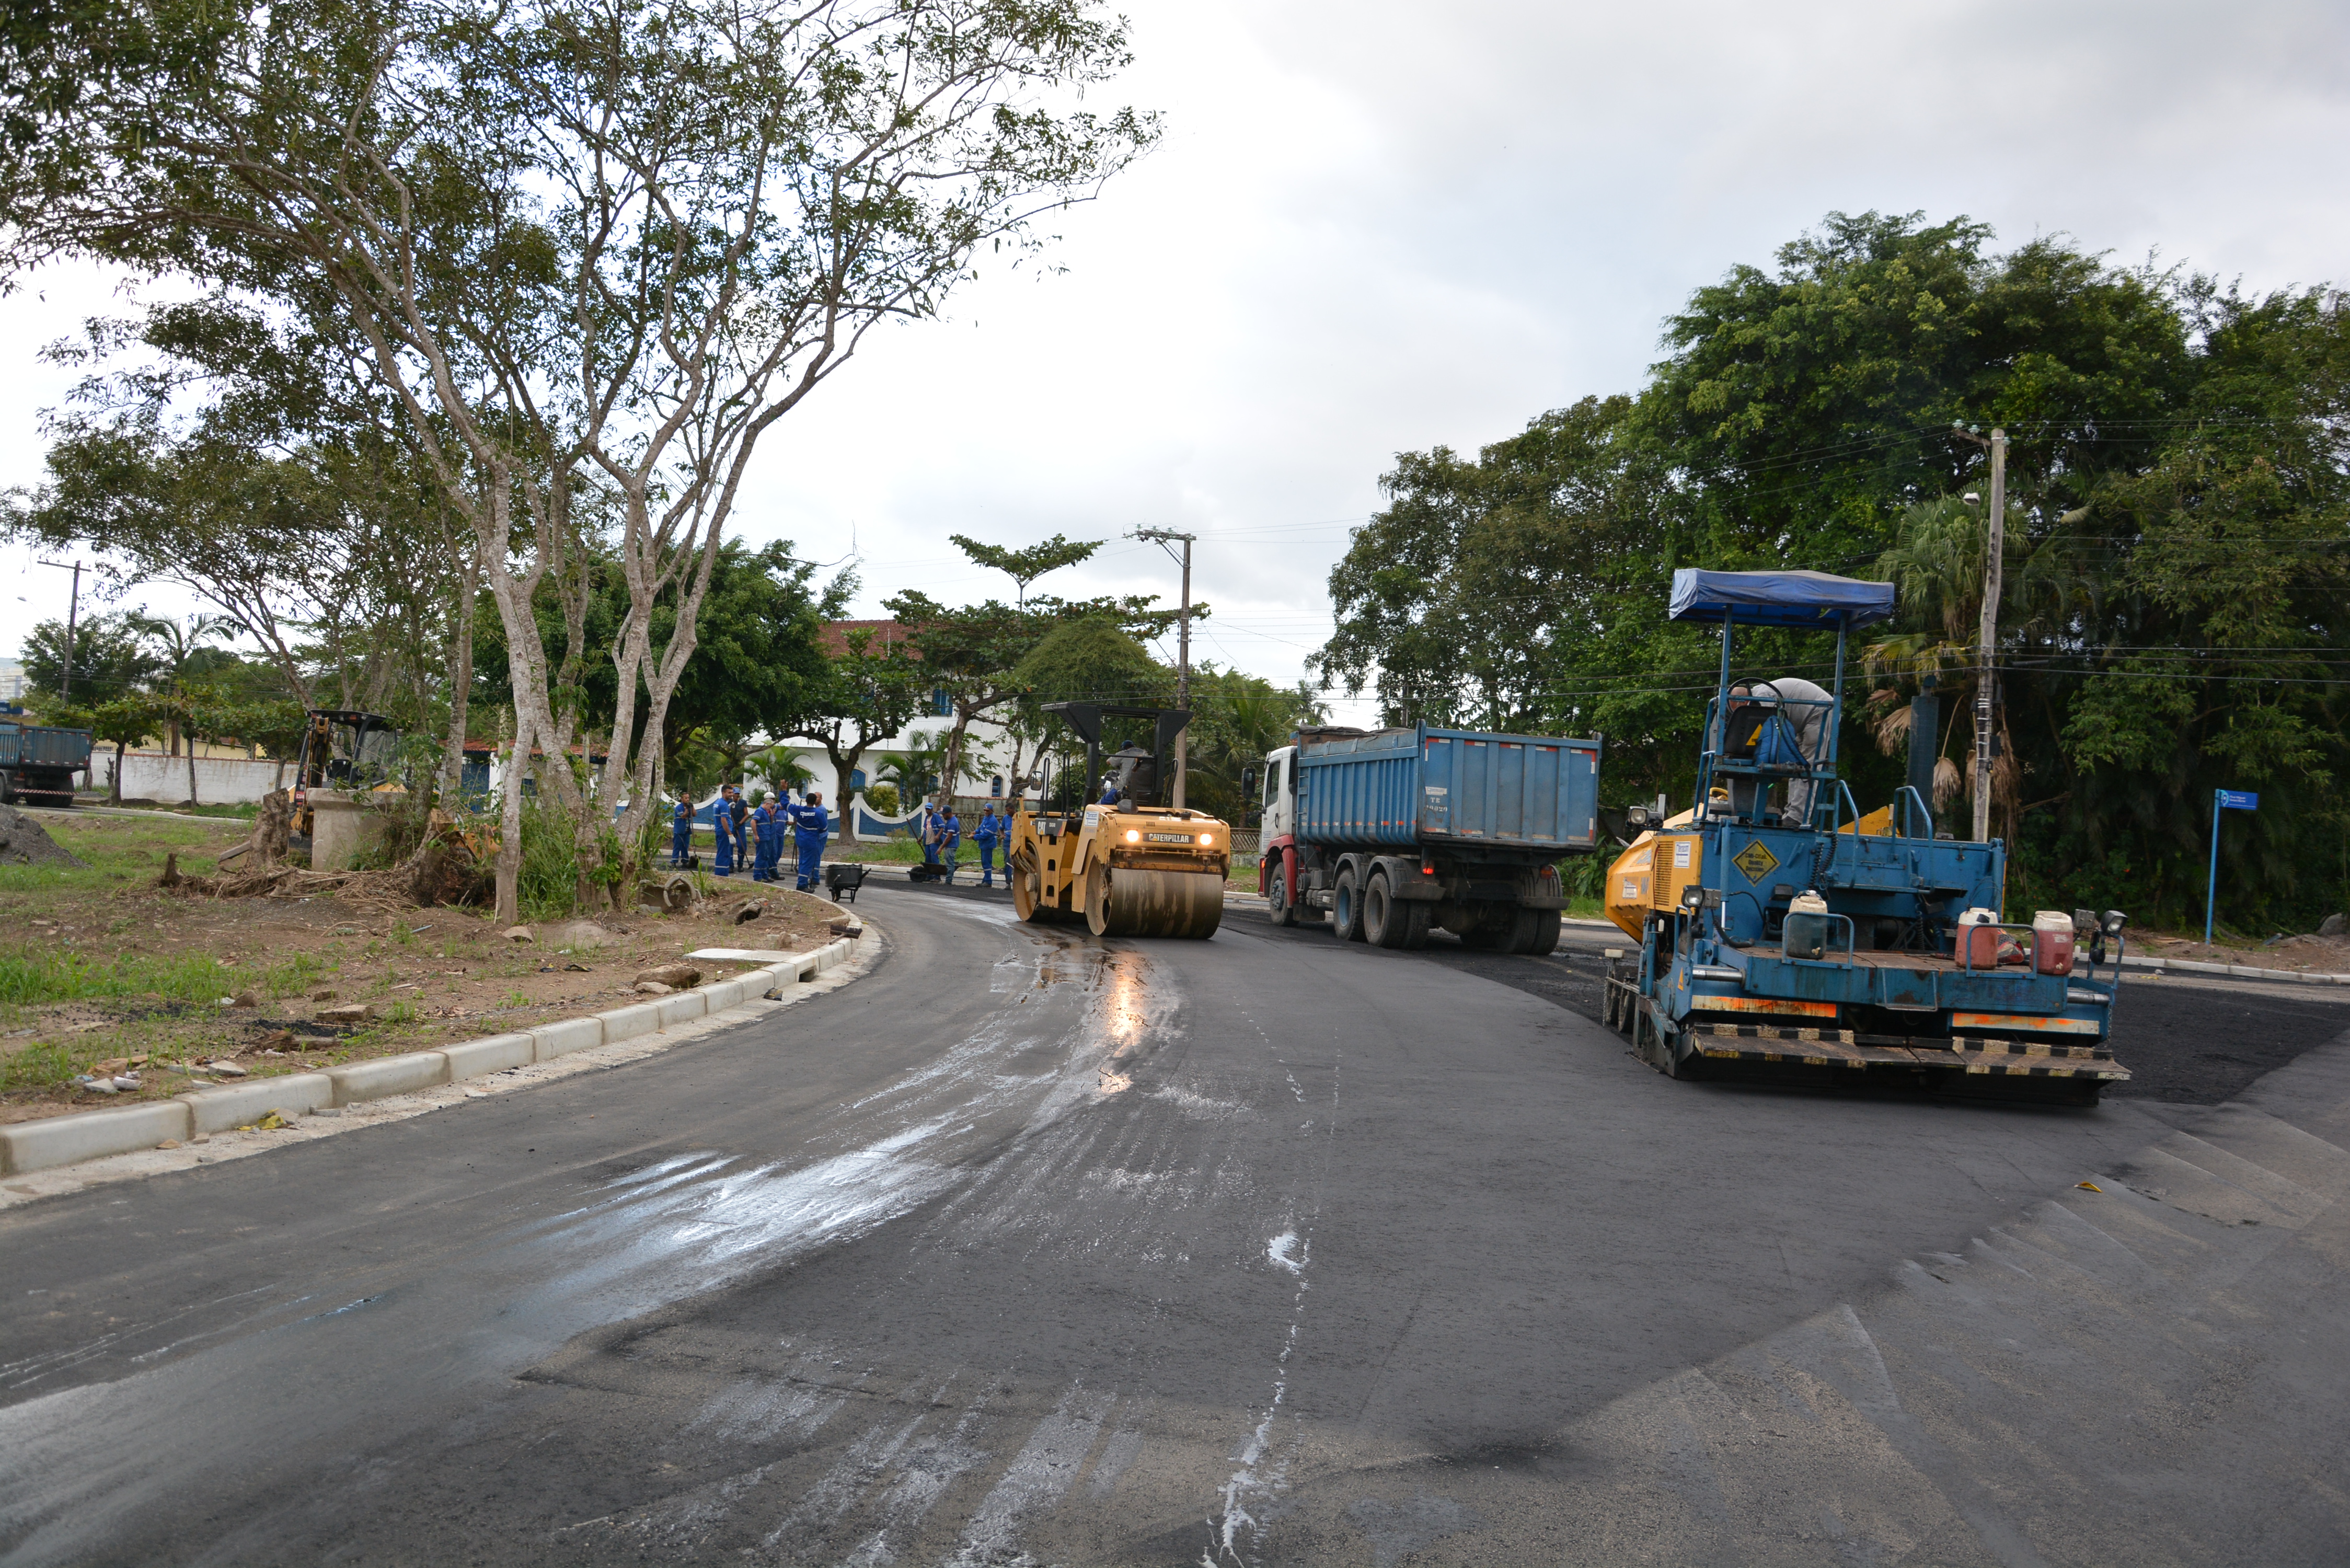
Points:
(24, 842)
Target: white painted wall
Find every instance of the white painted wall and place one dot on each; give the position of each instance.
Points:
(159, 776)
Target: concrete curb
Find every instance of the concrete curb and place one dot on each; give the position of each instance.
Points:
(2236, 970)
(96, 1135)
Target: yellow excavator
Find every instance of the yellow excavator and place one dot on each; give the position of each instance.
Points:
(1126, 866)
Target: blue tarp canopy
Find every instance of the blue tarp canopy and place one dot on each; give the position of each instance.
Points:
(1811, 600)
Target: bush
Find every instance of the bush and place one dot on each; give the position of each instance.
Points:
(882, 798)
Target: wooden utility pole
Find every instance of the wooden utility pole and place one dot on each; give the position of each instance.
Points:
(1166, 540)
(1987, 649)
(73, 613)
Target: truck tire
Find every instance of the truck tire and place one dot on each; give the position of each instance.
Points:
(1518, 933)
(1386, 919)
(1418, 917)
(1276, 894)
(1545, 933)
(1346, 908)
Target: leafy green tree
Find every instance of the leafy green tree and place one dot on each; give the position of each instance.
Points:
(594, 250)
(1025, 566)
(111, 658)
(871, 691)
(2172, 618)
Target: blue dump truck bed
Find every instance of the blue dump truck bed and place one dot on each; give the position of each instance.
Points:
(37, 762)
(1464, 788)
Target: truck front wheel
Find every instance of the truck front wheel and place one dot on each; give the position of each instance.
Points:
(1346, 908)
(1276, 892)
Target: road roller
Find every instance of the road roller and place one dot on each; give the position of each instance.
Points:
(1129, 868)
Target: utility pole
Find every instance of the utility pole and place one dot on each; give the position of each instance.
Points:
(1987, 650)
(1166, 540)
(73, 612)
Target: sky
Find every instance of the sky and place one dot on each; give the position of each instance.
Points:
(1377, 227)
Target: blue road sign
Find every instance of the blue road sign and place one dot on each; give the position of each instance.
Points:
(2222, 800)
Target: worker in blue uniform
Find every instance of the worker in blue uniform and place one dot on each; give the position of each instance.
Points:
(949, 838)
(722, 824)
(766, 825)
(812, 825)
(1109, 790)
(989, 832)
(680, 829)
(926, 830)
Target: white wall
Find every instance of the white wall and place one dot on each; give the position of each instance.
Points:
(158, 776)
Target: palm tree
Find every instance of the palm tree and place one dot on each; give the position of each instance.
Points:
(179, 645)
(1936, 565)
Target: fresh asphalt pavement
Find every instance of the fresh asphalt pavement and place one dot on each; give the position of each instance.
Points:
(1030, 1248)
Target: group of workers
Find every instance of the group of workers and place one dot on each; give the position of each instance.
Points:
(940, 832)
(752, 833)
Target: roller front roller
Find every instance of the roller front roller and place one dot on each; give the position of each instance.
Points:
(1129, 901)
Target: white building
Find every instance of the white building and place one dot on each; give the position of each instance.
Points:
(989, 750)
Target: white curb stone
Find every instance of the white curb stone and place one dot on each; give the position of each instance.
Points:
(682, 1008)
(627, 1022)
(388, 1075)
(93, 1134)
(571, 1034)
(217, 1110)
(496, 1054)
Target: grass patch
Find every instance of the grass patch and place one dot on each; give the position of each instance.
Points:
(30, 976)
(110, 856)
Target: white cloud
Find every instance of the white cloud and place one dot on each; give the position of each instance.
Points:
(1376, 227)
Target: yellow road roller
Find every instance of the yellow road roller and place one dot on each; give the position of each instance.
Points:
(1126, 866)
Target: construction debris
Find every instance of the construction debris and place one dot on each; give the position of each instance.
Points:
(24, 842)
(750, 910)
(676, 976)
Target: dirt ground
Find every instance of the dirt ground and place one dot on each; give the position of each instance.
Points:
(103, 974)
(2318, 955)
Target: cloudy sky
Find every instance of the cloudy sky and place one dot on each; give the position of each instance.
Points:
(1376, 226)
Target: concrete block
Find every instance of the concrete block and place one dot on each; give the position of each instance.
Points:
(627, 1022)
(387, 1076)
(682, 1008)
(726, 993)
(236, 1105)
(92, 1135)
(496, 1054)
(561, 1039)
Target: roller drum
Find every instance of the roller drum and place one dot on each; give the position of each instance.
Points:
(1127, 902)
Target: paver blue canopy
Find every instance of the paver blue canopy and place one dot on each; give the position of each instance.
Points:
(1812, 601)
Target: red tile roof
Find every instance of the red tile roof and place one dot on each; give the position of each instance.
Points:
(835, 635)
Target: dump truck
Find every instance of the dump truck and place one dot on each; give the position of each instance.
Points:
(1133, 868)
(1783, 936)
(37, 762)
(1389, 835)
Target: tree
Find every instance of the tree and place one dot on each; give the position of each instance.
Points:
(970, 652)
(2172, 616)
(868, 693)
(110, 660)
(1025, 566)
(589, 242)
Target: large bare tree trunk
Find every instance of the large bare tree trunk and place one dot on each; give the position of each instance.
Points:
(509, 867)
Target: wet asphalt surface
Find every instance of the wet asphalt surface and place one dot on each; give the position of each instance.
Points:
(1029, 1248)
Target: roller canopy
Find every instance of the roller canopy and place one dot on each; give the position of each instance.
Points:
(1812, 601)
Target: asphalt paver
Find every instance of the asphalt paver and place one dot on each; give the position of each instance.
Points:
(1032, 1248)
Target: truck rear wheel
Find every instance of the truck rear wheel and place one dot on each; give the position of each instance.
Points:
(1547, 923)
(1347, 908)
(1386, 919)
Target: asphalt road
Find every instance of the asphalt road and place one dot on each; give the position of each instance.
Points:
(1034, 1249)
